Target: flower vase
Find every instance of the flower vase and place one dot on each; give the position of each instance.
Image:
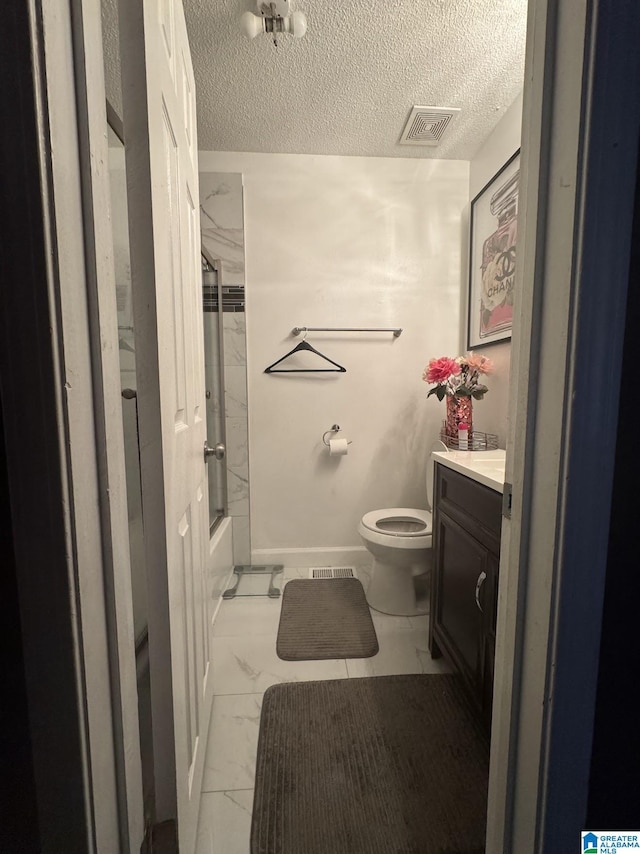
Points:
(459, 411)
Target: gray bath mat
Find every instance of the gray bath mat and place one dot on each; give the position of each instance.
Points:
(370, 766)
(325, 619)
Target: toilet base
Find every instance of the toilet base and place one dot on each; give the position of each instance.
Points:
(393, 591)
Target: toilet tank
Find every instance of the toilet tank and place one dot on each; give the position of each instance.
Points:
(429, 479)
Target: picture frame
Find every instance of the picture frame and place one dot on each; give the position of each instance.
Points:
(493, 232)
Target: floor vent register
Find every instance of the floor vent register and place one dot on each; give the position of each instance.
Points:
(332, 572)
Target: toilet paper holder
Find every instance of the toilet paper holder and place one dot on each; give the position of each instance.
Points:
(335, 428)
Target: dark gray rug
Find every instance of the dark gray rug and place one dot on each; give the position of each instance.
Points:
(383, 765)
(325, 619)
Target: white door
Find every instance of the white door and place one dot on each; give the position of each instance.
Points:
(162, 171)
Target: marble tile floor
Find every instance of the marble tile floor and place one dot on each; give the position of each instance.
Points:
(245, 664)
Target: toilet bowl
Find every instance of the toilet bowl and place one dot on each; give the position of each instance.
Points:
(399, 540)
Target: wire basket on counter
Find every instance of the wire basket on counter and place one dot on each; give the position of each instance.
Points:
(478, 441)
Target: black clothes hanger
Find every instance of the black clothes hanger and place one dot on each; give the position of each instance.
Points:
(304, 345)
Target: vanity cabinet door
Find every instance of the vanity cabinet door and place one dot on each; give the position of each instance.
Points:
(462, 566)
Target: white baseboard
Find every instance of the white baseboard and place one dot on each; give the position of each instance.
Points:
(344, 556)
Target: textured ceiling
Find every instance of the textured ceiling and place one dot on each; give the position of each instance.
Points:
(348, 86)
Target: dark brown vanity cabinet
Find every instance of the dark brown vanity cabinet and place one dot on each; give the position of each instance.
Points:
(464, 581)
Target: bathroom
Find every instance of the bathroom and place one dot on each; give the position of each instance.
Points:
(395, 230)
(332, 232)
(132, 694)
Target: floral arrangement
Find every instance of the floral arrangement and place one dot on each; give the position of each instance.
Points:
(458, 377)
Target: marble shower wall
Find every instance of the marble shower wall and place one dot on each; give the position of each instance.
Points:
(222, 226)
(222, 222)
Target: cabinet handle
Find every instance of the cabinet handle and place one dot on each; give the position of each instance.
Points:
(479, 583)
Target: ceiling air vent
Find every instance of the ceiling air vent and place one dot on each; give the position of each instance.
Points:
(427, 125)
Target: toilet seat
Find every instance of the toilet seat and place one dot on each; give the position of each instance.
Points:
(402, 522)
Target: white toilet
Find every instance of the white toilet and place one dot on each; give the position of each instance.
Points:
(399, 538)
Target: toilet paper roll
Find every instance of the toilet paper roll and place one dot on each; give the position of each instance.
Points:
(338, 447)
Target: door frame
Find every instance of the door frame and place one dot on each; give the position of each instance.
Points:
(59, 373)
(581, 117)
(31, 382)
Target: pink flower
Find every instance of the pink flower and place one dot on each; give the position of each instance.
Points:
(478, 363)
(439, 370)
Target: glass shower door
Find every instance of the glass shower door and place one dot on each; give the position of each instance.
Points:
(214, 381)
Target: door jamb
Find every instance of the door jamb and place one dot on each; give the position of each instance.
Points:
(41, 511)
(579, 155)
(53, 413)
(79, 349)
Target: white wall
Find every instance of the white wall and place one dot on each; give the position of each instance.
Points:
(490, 414)
(344, 241)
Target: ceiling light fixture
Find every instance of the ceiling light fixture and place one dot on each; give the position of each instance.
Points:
(274, 18)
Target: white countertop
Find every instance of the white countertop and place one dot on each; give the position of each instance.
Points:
(486, 467)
